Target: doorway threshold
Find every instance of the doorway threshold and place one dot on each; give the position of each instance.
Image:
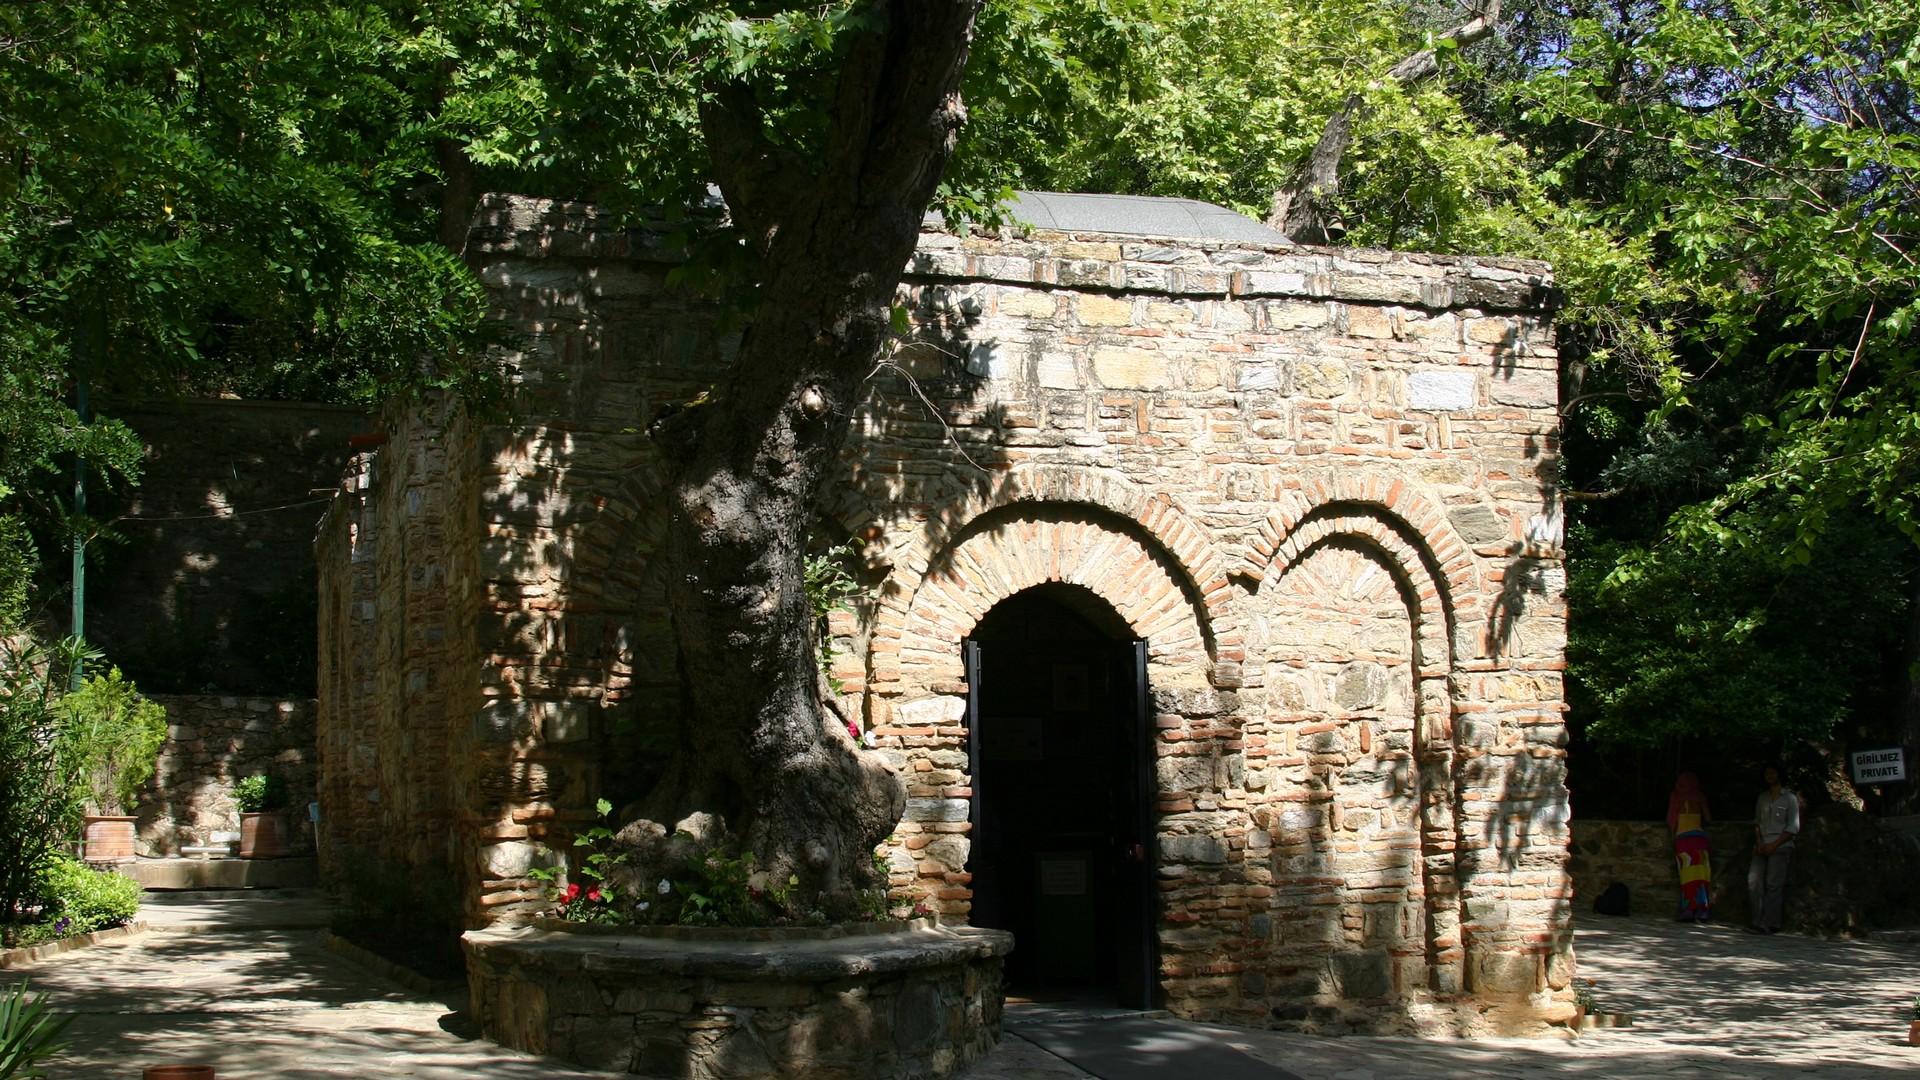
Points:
(1110, 1043)
(1067, 1009)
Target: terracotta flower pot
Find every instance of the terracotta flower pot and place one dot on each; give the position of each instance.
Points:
(1913, 1033)
(109, 838)
(263, 836)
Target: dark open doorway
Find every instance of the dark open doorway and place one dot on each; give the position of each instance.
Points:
(1062, 795)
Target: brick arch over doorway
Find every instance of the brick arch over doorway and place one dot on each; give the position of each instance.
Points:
(920, 715)
(1153, 516)
(1015, 548)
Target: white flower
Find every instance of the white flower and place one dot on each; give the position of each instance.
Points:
(645, 904)
(870, 740)
(665, 886)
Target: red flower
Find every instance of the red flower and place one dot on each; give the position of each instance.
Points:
(853, 729)
(593, 894)
(573, 893)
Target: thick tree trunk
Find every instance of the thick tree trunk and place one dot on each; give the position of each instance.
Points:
(1908, 802)
(456, 194)
(760, 756)
(1304, 209)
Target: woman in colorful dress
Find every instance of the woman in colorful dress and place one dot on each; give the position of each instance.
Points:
(1687, 820)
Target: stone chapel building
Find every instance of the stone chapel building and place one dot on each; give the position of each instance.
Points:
(1215, 613)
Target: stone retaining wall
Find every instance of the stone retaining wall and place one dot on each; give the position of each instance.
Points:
(1319, 483)
(1849, 873)
(211, 590)
(913, 1003)
(212, 742)
(1639, 855)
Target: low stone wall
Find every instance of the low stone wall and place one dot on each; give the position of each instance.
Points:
(1639, 855)
(212, 742)
(1849, 873)
(669, 1002)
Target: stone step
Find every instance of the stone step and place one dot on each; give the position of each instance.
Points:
(293, 873)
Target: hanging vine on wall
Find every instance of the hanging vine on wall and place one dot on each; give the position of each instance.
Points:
(831, 586)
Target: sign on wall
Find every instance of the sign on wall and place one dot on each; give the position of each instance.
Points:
(1879, 766)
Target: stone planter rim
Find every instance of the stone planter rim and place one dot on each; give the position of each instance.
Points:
(833, 932)
(812, 958)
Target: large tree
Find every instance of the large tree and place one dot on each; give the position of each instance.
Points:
(833, 220)
(265, 198)
(1744, 462)
(204, 198)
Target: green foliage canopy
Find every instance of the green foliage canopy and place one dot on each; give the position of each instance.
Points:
(1759, 391)
(1768, 153)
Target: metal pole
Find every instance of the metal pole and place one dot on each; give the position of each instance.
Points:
(79, 511)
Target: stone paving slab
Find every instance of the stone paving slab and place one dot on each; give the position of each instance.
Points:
(1708, 1003)
(227, 910)
(258, 1004)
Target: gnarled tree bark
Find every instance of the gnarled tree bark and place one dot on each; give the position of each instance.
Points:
(1304, 208)
(760, 758)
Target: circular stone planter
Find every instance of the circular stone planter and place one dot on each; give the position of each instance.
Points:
(859, 1002)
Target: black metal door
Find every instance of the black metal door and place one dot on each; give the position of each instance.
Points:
(1137, 942)
(970, 649)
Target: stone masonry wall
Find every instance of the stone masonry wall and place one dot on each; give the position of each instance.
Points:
(212, 742)
(399, 672)
(1639, 855)
(1319, 483)
(208, 591)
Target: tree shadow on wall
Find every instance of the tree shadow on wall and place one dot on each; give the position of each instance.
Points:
(262, 642)
(1524, 784)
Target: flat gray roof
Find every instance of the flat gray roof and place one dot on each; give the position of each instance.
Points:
(1136, 215)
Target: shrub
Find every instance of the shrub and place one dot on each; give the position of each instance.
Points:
(89, 899)
(42, 783)
(117, 733)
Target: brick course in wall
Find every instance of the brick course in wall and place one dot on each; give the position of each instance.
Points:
(1318, 483)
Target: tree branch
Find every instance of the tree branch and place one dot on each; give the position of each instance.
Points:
(1303, 208)
(897, 110)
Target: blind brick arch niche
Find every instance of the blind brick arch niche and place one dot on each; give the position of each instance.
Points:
(1316, 484)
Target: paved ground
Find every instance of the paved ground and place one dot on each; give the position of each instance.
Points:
(243, 984)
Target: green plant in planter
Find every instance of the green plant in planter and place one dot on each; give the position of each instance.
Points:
(261, 794)
(1913, 1009)
(115, 736)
